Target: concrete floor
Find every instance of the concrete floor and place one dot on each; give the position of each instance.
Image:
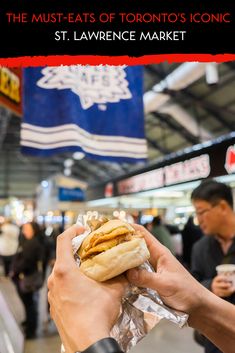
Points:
(164, 338)
(44, 344)
(168, 338)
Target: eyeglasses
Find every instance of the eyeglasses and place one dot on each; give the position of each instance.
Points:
(202, 212)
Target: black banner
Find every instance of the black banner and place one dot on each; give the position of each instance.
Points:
(211, 160)
(117, 28)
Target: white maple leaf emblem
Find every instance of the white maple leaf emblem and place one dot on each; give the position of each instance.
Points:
(93, 84)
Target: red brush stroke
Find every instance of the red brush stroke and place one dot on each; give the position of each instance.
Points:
(55, 60)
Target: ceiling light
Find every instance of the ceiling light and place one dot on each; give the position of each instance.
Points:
(67, 172)
(212, 75)
(68, 163)
(44, 183)
(78, 155)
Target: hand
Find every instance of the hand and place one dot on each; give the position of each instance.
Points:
(84, 310)
(222, 287)
(177, 288)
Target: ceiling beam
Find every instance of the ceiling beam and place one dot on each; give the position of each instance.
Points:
(211, 108)
(174, 126)
(157, 99)
(157, 146)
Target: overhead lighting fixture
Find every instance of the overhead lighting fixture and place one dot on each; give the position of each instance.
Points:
(44, 183)
(212, 74)
(68, 163)
(67, 172)
(78, 155)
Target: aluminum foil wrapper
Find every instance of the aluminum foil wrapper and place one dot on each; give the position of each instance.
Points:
(142, 308)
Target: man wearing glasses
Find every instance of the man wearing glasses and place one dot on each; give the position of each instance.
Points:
(213, 202)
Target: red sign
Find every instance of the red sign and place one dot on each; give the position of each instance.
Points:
(230, 160)
(11, 89)
(141, 182)
(188, 170)
(108, 192)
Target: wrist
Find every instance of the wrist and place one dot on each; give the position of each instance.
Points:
(203, 301)
(104, 345)
(88, 339)
(83, 334)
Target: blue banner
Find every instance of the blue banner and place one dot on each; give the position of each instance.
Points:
(94, 109)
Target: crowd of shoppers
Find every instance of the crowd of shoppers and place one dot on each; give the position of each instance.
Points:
(28, 261)
(26, 254)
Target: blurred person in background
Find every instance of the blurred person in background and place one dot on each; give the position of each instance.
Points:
(191, 233)
(47, 236)
(173, 229)
(213, 202)
(27, 261)
(161, 233)
(176, 240)
(9, 239)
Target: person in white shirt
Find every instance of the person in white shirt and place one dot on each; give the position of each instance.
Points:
(9, 240)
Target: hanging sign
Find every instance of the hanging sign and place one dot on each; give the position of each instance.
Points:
(230, 160)
(10, 89)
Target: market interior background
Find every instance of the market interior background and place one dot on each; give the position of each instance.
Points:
(186, 105)
(190, 106)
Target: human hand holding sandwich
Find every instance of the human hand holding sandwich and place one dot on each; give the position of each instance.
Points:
(179, 290)
(84, 310)
(171, 280)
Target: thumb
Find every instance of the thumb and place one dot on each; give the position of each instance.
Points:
(142, 278)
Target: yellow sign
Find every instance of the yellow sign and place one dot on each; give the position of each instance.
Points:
(10, 89)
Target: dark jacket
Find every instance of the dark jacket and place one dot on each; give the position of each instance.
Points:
(206, 255)
(161, 233)
(190, 235)
(29, 253)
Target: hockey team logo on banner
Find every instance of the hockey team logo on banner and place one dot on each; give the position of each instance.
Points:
(100, 85)
(97, 110)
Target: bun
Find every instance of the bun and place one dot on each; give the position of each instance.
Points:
(119, 258)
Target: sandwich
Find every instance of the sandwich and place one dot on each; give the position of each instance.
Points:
(112, 249)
